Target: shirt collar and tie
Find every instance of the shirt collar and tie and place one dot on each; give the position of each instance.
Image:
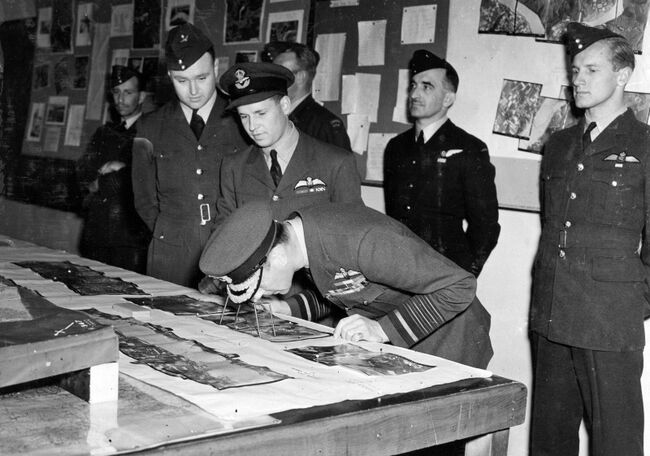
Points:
(203, 113)
(430, 130)
(284, 149)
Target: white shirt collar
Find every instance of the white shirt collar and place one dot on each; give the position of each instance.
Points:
(131, 120)
(431, 129)
(285, 148)
(603, 123)
(204, 111)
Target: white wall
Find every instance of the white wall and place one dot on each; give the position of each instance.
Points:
(483, 61)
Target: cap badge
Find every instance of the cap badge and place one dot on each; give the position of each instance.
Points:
(242, 81)
(184, 38)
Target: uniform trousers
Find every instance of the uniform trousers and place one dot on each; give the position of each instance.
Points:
(602, 387)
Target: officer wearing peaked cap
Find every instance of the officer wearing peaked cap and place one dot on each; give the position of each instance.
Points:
(113, 232)
(285, 167)
(590, 281)
(177, 157)
(374, 269)
(437, 176)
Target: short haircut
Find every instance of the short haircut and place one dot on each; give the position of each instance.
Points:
(621, 52)
(451, 79)
(306, 57)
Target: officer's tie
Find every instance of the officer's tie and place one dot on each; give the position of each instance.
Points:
(420, 140)
(586, 136)
(196, 123)
(276, 171)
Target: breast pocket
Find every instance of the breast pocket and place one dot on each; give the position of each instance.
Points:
(616, 196)
(555, 194)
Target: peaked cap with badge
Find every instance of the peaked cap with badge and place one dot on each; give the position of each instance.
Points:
(185, 45)
(424, 60)
(579, 37)
(250, 82)
(120, 74)
(238, 248)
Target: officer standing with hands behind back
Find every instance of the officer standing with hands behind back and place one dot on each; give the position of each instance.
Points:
(176, 165)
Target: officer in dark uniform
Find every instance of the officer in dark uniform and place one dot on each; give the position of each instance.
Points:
(437, 175)
(113, 233)
(590, 282)
(394, 287)
(176, 165)
(306, 113)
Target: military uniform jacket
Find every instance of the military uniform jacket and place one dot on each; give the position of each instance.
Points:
(320, 123)
(317, 173)
(591, 270)
(432, 188)
(371, 265)
(110, 218)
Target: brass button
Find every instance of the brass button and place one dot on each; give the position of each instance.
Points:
(200, 196)
(573, 195)
(562, 254)
(199, 171)
(581, 166)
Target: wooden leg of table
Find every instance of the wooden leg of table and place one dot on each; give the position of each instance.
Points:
(95, 384)
(495, 444)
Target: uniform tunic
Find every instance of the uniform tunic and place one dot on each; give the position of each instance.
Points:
(176, 183)
(433, 188)
(317, 121)
(113, 231)
(371, 265)
(591, 271)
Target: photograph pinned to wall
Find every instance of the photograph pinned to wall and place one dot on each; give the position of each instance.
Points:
(74, 127)
(509, 17)
(84, 24)
(146, 24)
(41, 76)
(639, 103)
(517, 106)
(631, 22)
(551, 116)
(80, 78)
(57, 108)
(44, 27)
(120, 57)
(179, 12)
(35, 127)
(122, 20)
(243, 21)
(285, 26)
(246, 56)
(62, 79)
(61, 33)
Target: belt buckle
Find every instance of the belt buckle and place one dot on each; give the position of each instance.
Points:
(204, 209)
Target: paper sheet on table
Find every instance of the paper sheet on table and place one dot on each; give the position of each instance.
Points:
(372, 42)
(419, 24)
(375, 162)
(358, 129)
(400, 111)
(326, 84)
(360, 95)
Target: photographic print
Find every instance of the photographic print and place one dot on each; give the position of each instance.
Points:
(57, 108)
(35, 127)
(179, 12)
(179, 305)
(61, 75)
(120, 57)
(80, 78)
(359, 359)
(61, 33)
(122, 20)
(639, 103)
(517, 106)
(44, 27)
(509, 17)
(146, 24)
(285, 26)
(243, 21)
(84, 24)
(41, 76)
(550, 117)
(245, 56)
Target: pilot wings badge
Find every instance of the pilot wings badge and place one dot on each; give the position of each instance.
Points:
(309, 185)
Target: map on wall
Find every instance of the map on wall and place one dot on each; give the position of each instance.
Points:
(547, 19)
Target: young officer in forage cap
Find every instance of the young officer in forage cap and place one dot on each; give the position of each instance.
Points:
(285, 167)
(590, 282)
(176, 172)
(113, 232)
(437, 176)
(394, 287)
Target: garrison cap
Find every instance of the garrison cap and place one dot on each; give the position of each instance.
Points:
(186, 44)
(250, 82)
(237, 250)
(579, 37)
(424, 60)
(120, 74)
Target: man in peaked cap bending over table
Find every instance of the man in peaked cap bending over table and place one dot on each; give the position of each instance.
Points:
(590, 282)
(393, 285)
(176, 172)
